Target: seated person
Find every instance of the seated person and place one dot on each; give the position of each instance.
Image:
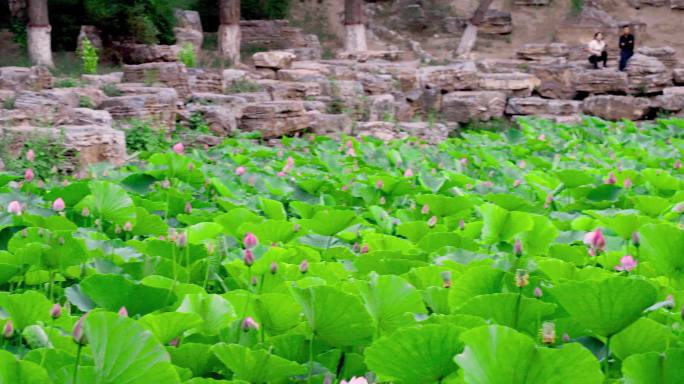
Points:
(597, 49)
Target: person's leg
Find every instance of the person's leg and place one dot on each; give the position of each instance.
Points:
(604, 58)
(593, 59)
(623, 60)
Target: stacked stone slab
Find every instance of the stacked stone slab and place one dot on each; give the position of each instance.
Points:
(275, 118)
(646, 74)
(612, 107)
(666, 55)
(155, 105)
(173, 75)
(20, 78)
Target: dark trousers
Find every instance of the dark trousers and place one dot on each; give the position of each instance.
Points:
(595, 59)
(625, 55)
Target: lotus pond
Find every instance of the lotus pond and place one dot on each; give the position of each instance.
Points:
(544, 254)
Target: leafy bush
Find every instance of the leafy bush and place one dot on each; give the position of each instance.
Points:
(85, 102)
(187, 55)
(9, 103)
(66, 83)
(250, 10)
(111, 90)
(243, 86)
(141, 136)
(50, 153)
(89, 56)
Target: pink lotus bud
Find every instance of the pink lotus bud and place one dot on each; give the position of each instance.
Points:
(296, 227)
(542, 137)
(522, 164)
(548, 332)
(123, 312)
(8, 330)
(351, 152)
(174, 342)
(382, 200)
(566, 337)
(595, 240)
(56, 311)
(24, 233)
(463, 161)
(344, 188)
(188, 208)
(461, 225)
(327, 380)
(274, 268)
(182, 241)
(408, 173)
(14, 207)
(627, 264)
(58, 205)
(254, 281)
(165, 184)
(179, 148)
(522, 278)
(636, 239)
(677, 164)
(678, 208)
(548, 201)
(627, 183)
(85, 212)
(591, 252)
(248, 324)
(517, 183)
(251, 181)
(304, 266)
(425, 210)
(446, 279)
(537, 292)
(78, 333)
(250, 240)
(240, 170)
(611, 180)
(30, 155)
(128, 226)
(364, 248)
(281, 174)
(468, 186)
(40, 184)
(379, 184)
(355, 380)
(432, 222)
(65, 183)
(518, 248)
(28, 175)
(248, 257)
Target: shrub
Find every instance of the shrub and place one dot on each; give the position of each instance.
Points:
(89, 56)
(111, 90)
(9, 103)
(187, 55)
(576, 6)
(49, 153)
(243, 86)
(66, 83)
(142, 137)
(85, 102)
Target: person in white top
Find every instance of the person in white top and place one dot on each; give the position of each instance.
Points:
(597, 51)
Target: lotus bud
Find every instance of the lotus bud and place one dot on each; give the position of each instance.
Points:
(446, 279)
(248, 324)
(211, 248)
(65, 183)
(128, 226)
(364, 248)
(542, 137)
(24, 233)
(123, 312)
(327, 380)
(304, 266)
(351, 152)
(627, 264)
(28, 175)
(188, 208)
(56, 311)
(281, 174)
(408, 173)
(274, 268)
(250, 240)
(468, 186)
(165, 184)
(677, 164)
(463, 161)
(14, 207)
(248, 257)
(517, 183)
(8, 330)
(254, 281)
(538, 292)
(179, 148)
(85, 212)
(566, 337)
(595, 240)
(548, 201)
(522, 164)
(636, 239)
(58, 205)
(379, 184)
(40, 184)
(522, 278)
(432, 222)
(678, 208)
(669, 300)
(182, 240)
(78, 333)
(30, 155)
(191, 166)
(425, 210)
(518, 248)
(461, 225)
(627, 184)
(382, 200)
(548, 332)
(295, 227)
(611, 180)
(251, 181)
(174, 342)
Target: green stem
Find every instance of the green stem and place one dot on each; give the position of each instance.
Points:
(517, 309)
(311, 359)
(78, 359)
(52, 283)
(606, 363)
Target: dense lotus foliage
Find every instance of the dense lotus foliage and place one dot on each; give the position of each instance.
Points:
(544, 254)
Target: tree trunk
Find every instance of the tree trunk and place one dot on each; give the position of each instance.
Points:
(39, 30)
(470, 35)
(229, 30)
(354, 25)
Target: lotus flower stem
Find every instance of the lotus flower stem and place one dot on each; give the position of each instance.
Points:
(78, 359)
(606, 362)
(311, 357)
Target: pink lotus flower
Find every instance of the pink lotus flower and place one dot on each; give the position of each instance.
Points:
(250, 240)
(78, 333)
(128, 226)
(56, 311)
(304, 266)
(182, 240)
(355, 380)
(542, 137)
(364, 248)
(351, 152)
(14, 207)
(461, 225)
(28, 175)
(379, 184)
(611, 180)
(188, 208)
(174, 342)
(8, 329)
(627, 183)
(58, 205)
(463, 161)
(248, 257)
(248, 324)
(179, 148)
(627, 264)
(538, 292)
(517, 183)
(432, 222)
(408, 173)
(425, 210)
(30, 155)
(240, 170)
(123, 312)
(518, 248)
(595, 240)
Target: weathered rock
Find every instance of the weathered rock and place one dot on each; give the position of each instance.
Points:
(455, 77)
(87, 116)
(424, 101)
(188, 36)
(463, 107)
(93, 34)
(314, 66)
(601, 81)
(232, 76)
(188, 29)
(329, 124)
(654, 3)
(432, 133)
(222, 121)
(542, 51)
(48, 101)
(305, 75)
(265, 74)
(428, 132)
(611, 107)
(516, 84)
(173, 75)
(557, 80)
(678, 76)
(376, 84)
(667, 55)
(102, 80)
(233, 103)
(159, 107)
(497, 22)
(280, 90)
(381, 130)
(345, 95)
(6, 95)
(381, 107)
(646, 74)
(503, 65)
(143, 53)
(539, 106)
(275, 118)
(20, 78)
(205, 81)
(531, 2)
(677, 4)
(364, 56)
(315, 106)
(273, 59)
(275, 35)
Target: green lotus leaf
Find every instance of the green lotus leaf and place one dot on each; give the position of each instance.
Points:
(169, 325)
(654, 368)
(13, 371)
(112, 292)
(256, 366)
(510, 309)
(216, 312)
(392, 302)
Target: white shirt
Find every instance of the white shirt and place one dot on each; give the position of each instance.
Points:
(596, 47)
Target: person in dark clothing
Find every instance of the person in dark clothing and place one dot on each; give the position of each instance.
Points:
(626, 47)
(597, 51)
